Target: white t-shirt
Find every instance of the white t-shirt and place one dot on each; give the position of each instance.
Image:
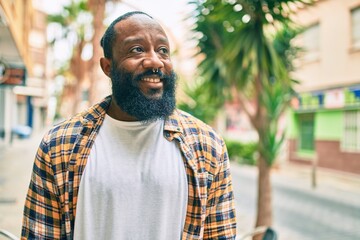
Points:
(134, 185)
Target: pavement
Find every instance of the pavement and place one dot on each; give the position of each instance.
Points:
(329, 211)
(16, 165)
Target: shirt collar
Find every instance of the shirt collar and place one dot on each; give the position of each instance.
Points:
(172, 123)
(97, 111)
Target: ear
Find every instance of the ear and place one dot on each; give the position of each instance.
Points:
(105, 64)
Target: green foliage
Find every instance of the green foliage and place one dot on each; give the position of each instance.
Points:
(247, 52)
(243, 153)
(283, 44)
(75, 21)
(201, 104)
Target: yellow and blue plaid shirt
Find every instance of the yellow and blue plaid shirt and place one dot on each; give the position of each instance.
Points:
(50, 206)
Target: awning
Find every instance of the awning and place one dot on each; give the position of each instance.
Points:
(29, 91)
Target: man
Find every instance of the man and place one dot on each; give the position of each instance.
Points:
(132, 166)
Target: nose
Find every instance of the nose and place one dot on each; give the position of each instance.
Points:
(152, 61)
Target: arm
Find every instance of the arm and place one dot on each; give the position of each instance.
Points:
(41, 219)
(220, 222)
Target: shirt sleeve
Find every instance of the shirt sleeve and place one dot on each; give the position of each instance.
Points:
(41, 219)
(220, 222)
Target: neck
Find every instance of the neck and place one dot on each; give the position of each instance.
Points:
(117, 113)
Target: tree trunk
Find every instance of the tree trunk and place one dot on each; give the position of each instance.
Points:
(78, 70)
(97, 8)
(264, 204)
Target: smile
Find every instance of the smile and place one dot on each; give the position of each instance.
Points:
(152, 80)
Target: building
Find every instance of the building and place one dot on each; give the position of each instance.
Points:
(22, 69)
(324, 126)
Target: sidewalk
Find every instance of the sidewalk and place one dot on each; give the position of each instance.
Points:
(16, 163)
(325, 179)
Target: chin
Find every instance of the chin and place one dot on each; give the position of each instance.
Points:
(154, 94)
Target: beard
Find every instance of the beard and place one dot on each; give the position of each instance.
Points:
(131, 100)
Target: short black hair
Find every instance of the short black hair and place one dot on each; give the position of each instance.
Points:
(108, 38)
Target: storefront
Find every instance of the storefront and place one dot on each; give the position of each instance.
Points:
(324, 128)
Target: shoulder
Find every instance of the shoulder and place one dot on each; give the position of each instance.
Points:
(195, 127)
(206, 145)
(71, 127)
(188, 119)
(63, 132)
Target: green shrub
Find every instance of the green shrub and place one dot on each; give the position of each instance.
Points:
(243, 153)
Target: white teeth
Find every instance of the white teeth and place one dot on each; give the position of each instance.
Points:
(153, 80)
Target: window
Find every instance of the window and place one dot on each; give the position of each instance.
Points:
(311, 38)
(311, 42)
(355, 21)
(307, 132)
(351, 136)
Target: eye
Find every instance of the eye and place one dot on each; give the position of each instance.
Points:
(136, 50)
(164, 50)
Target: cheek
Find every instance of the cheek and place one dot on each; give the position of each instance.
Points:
(128, 67)
(130, 64)
(168, 66)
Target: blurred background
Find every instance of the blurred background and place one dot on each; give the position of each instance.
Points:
(279, 80)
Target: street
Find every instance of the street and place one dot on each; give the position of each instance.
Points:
(331, 211)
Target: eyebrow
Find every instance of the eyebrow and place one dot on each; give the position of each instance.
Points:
(130, 40)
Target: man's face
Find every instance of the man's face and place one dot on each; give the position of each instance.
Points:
(141, 46)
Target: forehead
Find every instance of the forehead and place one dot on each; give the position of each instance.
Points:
(138, 25)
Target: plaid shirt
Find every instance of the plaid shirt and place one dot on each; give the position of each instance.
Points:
(50, 206)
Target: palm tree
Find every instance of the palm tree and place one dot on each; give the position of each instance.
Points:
(74, 22)
(81, 69)
(97, 8)
(246, 48)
